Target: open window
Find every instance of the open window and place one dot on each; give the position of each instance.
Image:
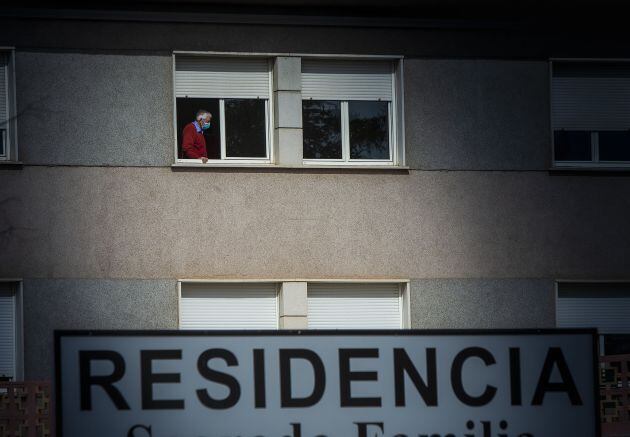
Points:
(236, 91)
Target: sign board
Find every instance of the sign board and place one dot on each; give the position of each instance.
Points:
(525, 383)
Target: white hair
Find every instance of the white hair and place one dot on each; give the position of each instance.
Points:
(202, 115)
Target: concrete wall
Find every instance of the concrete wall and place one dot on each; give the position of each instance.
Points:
(78, 109)
(99, 222)
(90, 304)
(106, 109)
(482, 303)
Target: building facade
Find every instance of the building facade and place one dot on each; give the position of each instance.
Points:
(364, 171)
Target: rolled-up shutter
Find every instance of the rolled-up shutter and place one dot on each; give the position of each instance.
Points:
(602, 306)
(346, 80)
(591, 96)
(354, 306)
(229, 306)
(210, 77)
(4, 101)
(7, 333)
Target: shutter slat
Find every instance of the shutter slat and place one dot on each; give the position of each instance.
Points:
(229, 306)
(346, 80)
(7, 334)
(354, 306)
(598, 99)
(208, 77)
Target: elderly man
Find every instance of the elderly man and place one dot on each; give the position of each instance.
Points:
(193, 141)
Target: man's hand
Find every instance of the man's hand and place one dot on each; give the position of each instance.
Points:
(204, 159)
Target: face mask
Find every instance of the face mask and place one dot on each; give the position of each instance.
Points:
(205, 126)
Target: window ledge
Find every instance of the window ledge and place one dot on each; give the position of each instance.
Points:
(590, 170)
(11, 163)
(341, 168)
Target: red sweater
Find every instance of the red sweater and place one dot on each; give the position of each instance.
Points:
(193, 142)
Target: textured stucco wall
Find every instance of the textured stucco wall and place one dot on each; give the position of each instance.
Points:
(482, 303)
(477, 114)
(95, 222)
(105, 109)
(90, 304)
(91, 109)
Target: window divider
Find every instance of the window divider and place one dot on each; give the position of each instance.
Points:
(222, 124)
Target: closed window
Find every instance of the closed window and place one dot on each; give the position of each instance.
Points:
(10, 332)
(235, 91)
(591, 114)
(349, 112)
(355, 306)
(229, 306)
(8, 142)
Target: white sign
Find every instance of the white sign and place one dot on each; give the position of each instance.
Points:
(327, 384)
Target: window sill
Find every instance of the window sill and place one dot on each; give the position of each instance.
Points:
(11, 163)
(593, 169)
(214, 166)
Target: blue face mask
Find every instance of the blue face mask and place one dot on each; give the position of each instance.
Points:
(205, 126)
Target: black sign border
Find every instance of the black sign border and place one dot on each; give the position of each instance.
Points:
(59, 333)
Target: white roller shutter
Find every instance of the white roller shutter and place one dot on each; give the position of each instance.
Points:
(210, 77)
(591, 97)
(606, 307)
(7, 333)
(354, 306)
(229, 306)
(346, 80)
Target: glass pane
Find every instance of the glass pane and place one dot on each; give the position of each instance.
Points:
(369, 130)
(617, 344)
(3, 141)
(571, 145)
(186, 110)
(614, 146)
(245, 133)
(321, 120)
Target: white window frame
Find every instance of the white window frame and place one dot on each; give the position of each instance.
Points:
(9, 131)
(395, 123)
(595, 162)
(403, 284)
(17, 285)
(269, 111)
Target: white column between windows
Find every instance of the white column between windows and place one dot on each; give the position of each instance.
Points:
(287, 94)
(293, 305)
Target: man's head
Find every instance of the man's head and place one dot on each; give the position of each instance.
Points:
(203, 117)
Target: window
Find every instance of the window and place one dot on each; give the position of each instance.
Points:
(236, 91)
(229, 306)
(591, 114)
(10, 331)
(355, 306)
(349, 110)
(8, 123)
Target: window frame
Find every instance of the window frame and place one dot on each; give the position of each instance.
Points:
(18, 291)
(9, 132)
(395, 119)
(595, 162)
(269, 120)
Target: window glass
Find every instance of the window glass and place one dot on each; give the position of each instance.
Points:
(245, 132)
(369, 130)
(186, 110)
(322, 129)
(614, 146)
(572, 145)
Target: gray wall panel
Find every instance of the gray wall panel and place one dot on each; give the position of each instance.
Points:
(477, 114)
(123, 222)
(482, 303)
(90, 304)
(94, 109)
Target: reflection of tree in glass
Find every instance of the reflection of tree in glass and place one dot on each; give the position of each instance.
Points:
(245, 128)
(322, 129)
(369, 130)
